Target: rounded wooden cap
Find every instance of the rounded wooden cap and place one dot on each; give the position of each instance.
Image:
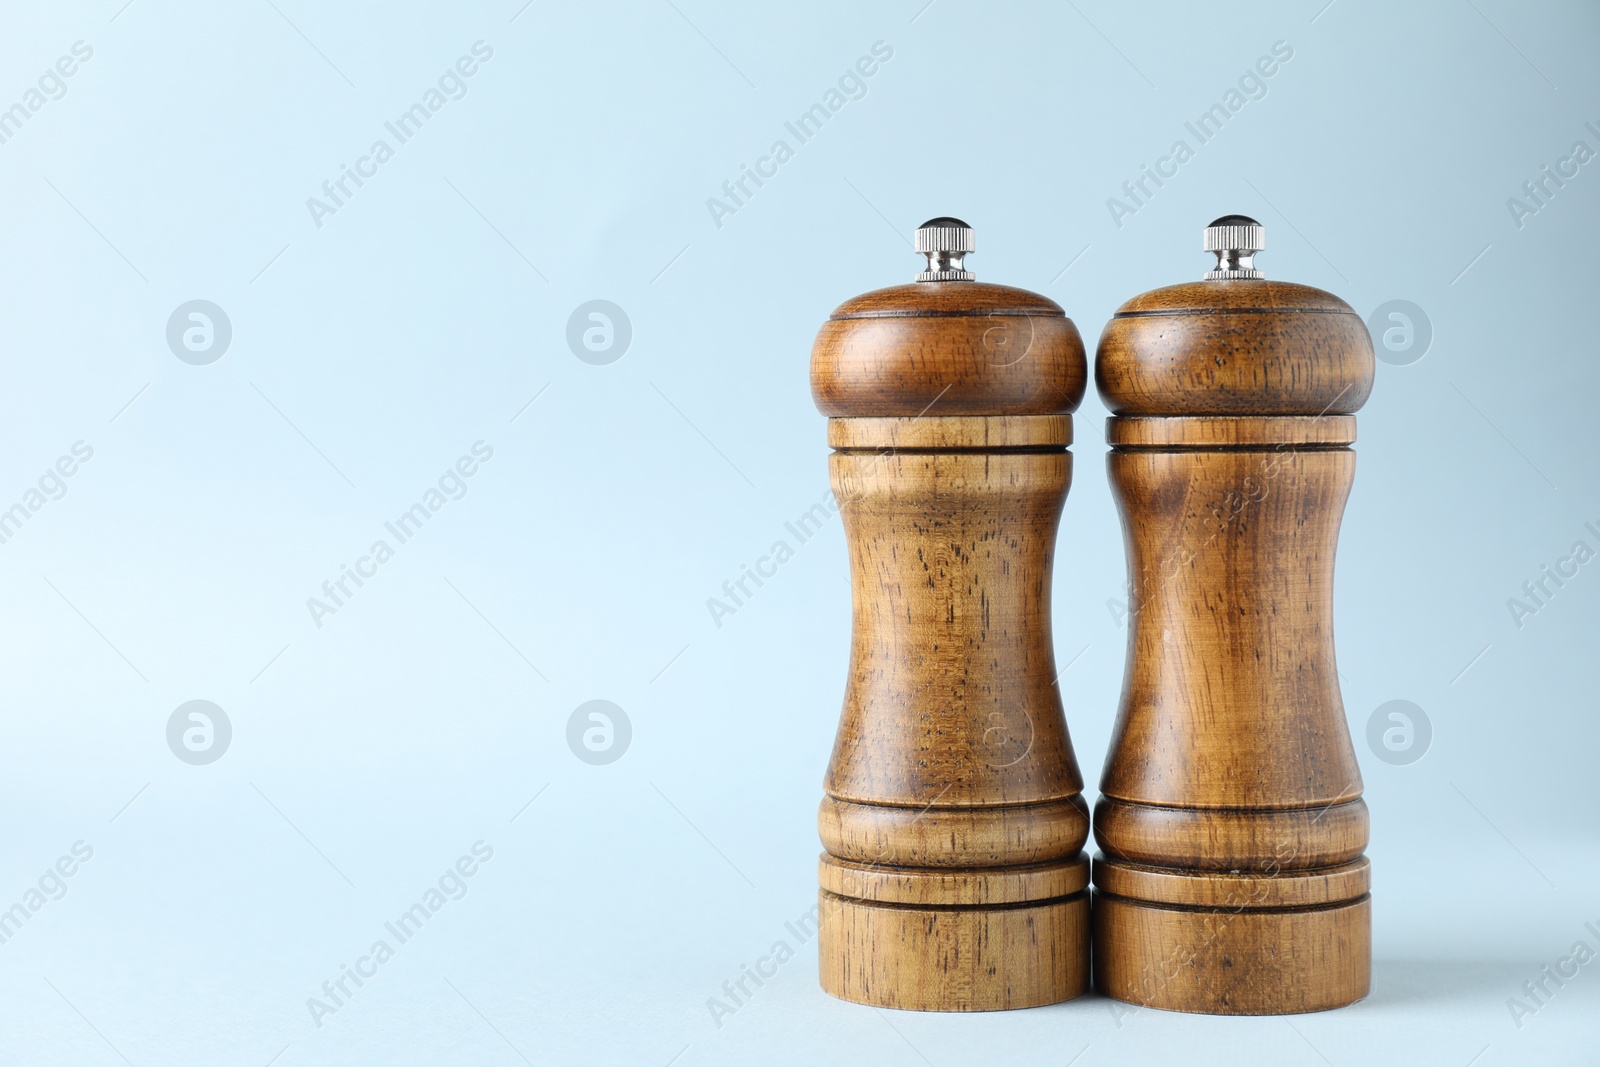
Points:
(948, 348)
(1235, 347)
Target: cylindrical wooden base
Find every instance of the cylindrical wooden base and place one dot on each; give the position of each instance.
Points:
(1018, 938)
(1229, 943)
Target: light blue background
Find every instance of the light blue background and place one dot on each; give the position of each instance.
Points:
(369, 353)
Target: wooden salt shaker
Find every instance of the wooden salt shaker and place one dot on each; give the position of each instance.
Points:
(953, 877)
(1232, 878)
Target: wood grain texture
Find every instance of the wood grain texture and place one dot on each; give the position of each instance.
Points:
(1253, 347)
(951, 433)
(1233, 961)
(967, 958)
(954, 878)
(1271, 887)
(1232, 879)
(940, 836)
(1231, 699)
(1233, 838)
(951, 698)
(998, 885)
(1231, 431)
(948, 348)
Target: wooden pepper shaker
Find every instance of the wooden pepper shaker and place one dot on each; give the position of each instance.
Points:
(953, 877)
(1231, 878)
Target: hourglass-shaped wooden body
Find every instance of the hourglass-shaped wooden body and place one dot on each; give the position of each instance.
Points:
(953, 877)
(1232, 878)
